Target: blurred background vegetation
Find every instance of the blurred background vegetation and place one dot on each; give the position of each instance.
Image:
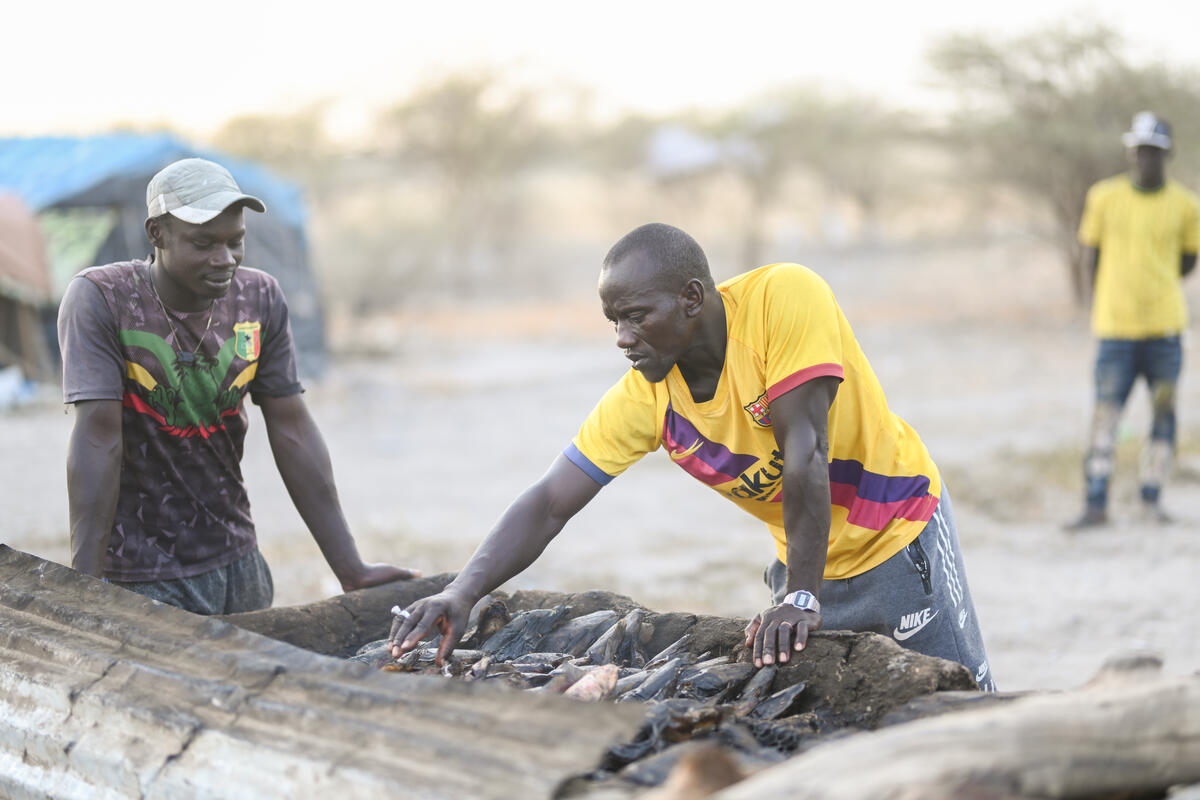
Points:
(473, 189)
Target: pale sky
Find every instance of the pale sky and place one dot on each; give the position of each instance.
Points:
(77, 67)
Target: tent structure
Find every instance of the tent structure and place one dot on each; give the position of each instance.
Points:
(25, 288)
(90, 197)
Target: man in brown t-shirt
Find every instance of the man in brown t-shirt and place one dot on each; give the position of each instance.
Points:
(158, 356)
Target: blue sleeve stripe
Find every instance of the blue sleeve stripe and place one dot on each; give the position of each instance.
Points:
(580, 460)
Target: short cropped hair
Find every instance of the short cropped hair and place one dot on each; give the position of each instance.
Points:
(677, 255)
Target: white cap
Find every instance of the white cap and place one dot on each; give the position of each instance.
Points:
(1147, 129)
(195, 190)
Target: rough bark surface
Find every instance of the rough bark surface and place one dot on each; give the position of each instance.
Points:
(1111, 740)
(104, 693)
(337, 625)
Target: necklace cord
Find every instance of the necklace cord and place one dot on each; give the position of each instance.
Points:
(174, 333)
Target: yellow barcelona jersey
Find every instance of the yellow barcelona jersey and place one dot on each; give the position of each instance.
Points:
(1141, 236)
(785, 328)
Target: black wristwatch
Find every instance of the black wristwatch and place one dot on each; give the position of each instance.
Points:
(802, 599)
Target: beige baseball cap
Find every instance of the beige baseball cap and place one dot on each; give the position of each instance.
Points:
(195, 190)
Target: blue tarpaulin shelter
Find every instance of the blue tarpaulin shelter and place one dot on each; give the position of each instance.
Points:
(107, 174)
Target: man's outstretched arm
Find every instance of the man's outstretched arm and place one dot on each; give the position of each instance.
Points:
(94, 456)
(524, 530)
(303, 463)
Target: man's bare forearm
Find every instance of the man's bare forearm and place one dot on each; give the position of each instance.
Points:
(93, 482)
(807, 516)
(801, 418)
(521, 535)
(526, 528)
(307, 472)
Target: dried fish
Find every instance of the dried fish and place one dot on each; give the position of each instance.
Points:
(563, 677)
(524, 633)
(714, 683)
(755, 690)
(630, 682)
(779, 703)
(422, 659)
(598, 684)
(575, 636)
(539, 662)
(631, 651)
(695, 770)
(492, 617)
(604, 649)
(413, 660)
(711, 662)
(601, 656)
(375, 645)
(678, 647)
(377, 657)
(666, 723)
(658, 685)
(479, 669)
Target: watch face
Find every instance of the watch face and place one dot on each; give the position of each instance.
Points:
(802, 600)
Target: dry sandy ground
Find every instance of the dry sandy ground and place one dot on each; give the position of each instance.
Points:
(453, 414)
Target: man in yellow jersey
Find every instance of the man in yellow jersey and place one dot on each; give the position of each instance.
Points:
(1141, 233)
(758, 389)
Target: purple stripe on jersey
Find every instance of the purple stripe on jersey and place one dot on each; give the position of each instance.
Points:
(875, 487)
(707, 461)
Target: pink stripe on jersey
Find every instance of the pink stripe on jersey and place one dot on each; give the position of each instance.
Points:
(875, 515)
(804, 376)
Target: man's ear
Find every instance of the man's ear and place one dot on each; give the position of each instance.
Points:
(693, 295)
(155, 232)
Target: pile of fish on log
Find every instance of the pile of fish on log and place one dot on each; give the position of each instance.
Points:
(693, 673)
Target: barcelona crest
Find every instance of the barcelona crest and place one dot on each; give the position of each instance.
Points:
(249, 340)
(760, 410)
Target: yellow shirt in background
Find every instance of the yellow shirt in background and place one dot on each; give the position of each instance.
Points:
(785, 328)
(1141, 237)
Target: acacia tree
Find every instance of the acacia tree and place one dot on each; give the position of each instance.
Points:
(474, 138)
(1043, 112)
(848, 142)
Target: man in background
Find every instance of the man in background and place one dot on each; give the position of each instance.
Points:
(158, 357)
(1140, 233)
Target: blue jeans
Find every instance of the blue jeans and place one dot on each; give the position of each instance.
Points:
(1119, 363)
(244, 585)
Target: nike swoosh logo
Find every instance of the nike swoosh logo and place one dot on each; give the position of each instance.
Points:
(676, 455)
(902, 635)
(983, 668)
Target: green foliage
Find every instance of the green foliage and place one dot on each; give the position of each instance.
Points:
(1044, 112)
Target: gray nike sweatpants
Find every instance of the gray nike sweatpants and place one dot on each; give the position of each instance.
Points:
(919, 597)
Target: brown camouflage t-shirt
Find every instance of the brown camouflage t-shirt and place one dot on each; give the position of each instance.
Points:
(183, 508)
